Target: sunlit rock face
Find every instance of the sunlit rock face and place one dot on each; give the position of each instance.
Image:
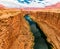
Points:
(14, 31)
(28, 3)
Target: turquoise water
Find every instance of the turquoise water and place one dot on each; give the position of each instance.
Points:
(29, 1)
(26, 1)
(40, 38)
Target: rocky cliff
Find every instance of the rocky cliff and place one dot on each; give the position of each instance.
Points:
(49, 22)
(15, 31)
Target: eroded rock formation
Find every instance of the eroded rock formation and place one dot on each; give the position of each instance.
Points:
(49, 22)
(15, 31)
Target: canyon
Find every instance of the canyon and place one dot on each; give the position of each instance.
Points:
(15, 31)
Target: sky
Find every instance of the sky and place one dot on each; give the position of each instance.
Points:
(28, 3)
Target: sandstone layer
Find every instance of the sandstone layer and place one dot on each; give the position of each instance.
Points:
(15, 32)
(49, 22)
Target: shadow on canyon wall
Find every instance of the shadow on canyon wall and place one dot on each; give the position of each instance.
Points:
(39, 36)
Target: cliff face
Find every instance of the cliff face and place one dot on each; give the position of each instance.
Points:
(49, 22)
(15, 31)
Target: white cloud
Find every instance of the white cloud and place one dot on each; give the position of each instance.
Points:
(16, 4)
